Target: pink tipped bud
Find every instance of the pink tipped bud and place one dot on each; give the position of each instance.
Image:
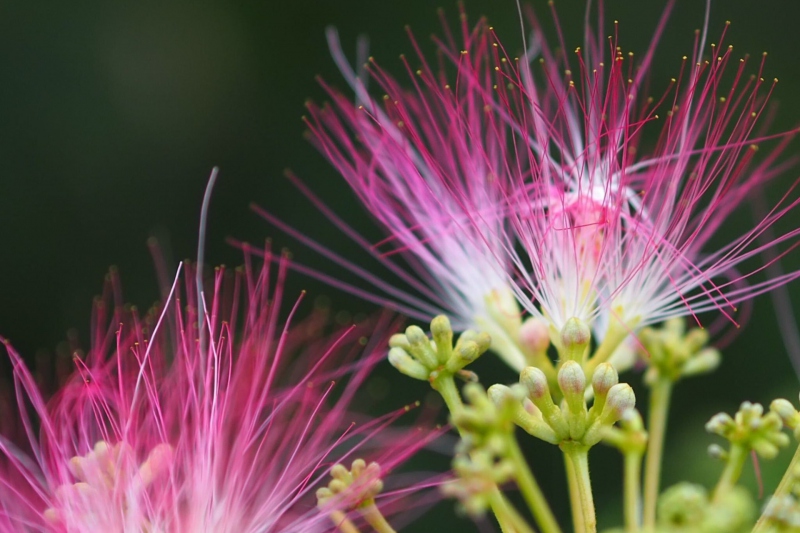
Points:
(535, 382)
(575, 337)
(571, 379)
(620, 399)
(605, 377)
(534, 335)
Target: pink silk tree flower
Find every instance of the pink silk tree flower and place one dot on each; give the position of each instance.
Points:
(553, 184)
(618, 233)
(165, 427)
(431, 165)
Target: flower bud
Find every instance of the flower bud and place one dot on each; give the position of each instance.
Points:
(683, 505)
(442, 334)
(351, 488)
(499, 394)
(484, 341)
(786, 411)
(695, 339)
(464, 354)
(705, 361)
(605, 377)
(571, 379)
(721, 424)
(715, 451)
(407, 365)
(765, 449)
(535, 381)
(531, 408)
(399, 340)
(534, 335)
(620, 399)
(575, 337)
(421, 347)
(157, 462)
(572, 382)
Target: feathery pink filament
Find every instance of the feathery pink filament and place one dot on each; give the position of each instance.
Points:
(151, 435)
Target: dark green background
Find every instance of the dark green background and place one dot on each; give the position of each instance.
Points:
(112, 115)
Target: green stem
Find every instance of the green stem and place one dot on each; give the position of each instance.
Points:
(375, 518)
(737, 456)
(614, 336)
(578, 455)
(507, 517)
(510, 521)
(445, 385)
(533, 495)
(657, 425)
(632, 491)
(574, 497)
(784, 488)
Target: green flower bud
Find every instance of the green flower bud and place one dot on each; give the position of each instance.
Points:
(529, 420)
(715, 451)
(421, 347)
(721, 424)
(500, 394)
(403, 362)
(766, 449)
(786, 411)
(695, 339)
(605, 377)
(733, 511)
(571, 380)
(399, 340)
(350, 489)
(443, 337)
(682, 507)
(464, 354)
(620, 399)
(705, 361)
(575, 338)
(535, 382)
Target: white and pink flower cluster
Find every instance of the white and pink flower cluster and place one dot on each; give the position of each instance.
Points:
(227, 426)
(553, 182)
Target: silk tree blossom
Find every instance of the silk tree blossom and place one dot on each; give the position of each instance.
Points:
(618, 234)
(502, 178)
(155, 434)
(426, 163)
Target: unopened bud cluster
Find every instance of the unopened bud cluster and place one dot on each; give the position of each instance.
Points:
(686, 507)
(417, 356)
(674, 353)
(482, 461)
(108, 468)
(782, 511)
(751, 429)
(788, 415)
(573, 420)
(353, 488)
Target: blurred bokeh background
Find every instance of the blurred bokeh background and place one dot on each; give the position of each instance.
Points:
(113, 114)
